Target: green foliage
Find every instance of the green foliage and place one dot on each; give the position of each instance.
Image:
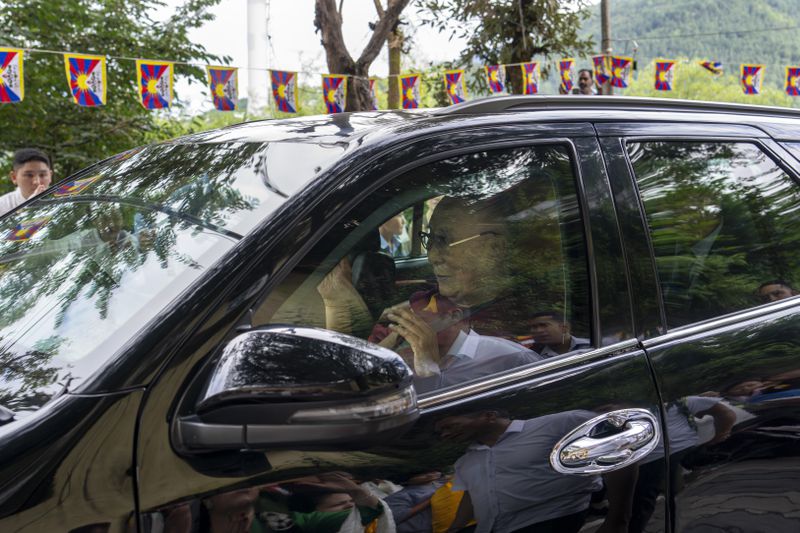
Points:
(702, 29)
(693, 82)
(511, 31)
(48, 119)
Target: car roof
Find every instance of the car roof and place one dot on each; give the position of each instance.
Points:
(780, 122)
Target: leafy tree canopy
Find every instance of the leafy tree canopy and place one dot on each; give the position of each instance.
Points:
(48, 119)
(512, 31)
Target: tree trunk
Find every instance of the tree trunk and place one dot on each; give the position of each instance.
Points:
(328, 21)
(395, 45)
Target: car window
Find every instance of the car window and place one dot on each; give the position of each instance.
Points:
(500, 281)
(723, 220)
(86, 265)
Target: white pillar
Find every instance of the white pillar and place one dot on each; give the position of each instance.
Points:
(257, 43)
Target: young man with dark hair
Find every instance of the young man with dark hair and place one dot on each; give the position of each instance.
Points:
(32, 173)
(552, 335)
(772, 291)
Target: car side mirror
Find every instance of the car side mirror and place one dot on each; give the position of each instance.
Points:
(299, 388)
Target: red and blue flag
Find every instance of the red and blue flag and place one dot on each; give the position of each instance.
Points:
(86, 75)
(665, 74)
(455, 86)
(334, 89)
(12, 85)
(409, 90)
(496, 77)
(621, 71)
(26, 229)
(530, 77)
(73, 187)
(792, 86)
(566, 68)
(752, 75)
(154, 79)
(714, 67)
(224, 85)
(284, 90)
(601, 69)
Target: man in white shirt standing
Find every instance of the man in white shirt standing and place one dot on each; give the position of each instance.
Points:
(32, 173)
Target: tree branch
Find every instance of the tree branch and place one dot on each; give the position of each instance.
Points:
(329, 23)
(382, 30)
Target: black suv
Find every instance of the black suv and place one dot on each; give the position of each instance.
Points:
(542, 314)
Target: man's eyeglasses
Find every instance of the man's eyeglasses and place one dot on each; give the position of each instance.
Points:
(430, 240)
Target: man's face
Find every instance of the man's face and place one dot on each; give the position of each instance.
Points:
(585, 82)
(465, 251)
(547, 330)
(773, 293)
(395, 225)
(32, 177)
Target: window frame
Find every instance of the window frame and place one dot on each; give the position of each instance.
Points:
(566, 141)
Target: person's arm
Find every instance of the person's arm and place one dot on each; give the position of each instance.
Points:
(345, 309)
(464, 514)
(724, 419)
(620, 488)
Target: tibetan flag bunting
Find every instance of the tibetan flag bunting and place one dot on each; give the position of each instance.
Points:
(751, 78)
(665, 74)
(373, 94)
(73, 187)
(284, 90)
(530, 77)
(409, 90)
(793, 81)
(496, 77)
(224, 85)
(621, 71)
(334, 89)
(566, 68)
(87, 78)
(26, 229)
(601, 69)
(154, 79)
(455, 86)
(12, 84)
(714, 67)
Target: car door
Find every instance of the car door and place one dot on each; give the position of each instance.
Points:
(508, 437)
(710, 215)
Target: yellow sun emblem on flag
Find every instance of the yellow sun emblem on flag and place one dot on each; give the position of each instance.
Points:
(332, 95)
(282, 91)
(453, 88)
(409, 94)
(749, 80)
(83, 81)
(529, 78)
(792, 81)
(566, 75)
(618, 72)
(662, 75)
(219, 90)
(493, 75)
(152, 86)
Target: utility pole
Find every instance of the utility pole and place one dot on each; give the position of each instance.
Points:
(605, 23)
(395, 44)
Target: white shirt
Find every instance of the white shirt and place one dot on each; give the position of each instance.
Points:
(11, 200)
(472, 356)
(512, 484)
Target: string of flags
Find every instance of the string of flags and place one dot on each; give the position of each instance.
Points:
(87, 79)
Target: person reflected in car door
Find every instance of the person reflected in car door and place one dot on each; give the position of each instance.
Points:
(772, 291)
(552, 335)
(508, 481)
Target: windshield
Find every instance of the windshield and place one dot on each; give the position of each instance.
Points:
(88, 265)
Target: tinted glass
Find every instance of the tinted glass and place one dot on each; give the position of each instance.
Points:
(501, 280)
(723, 221)
(86, 266)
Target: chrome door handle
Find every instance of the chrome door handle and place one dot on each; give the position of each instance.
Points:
(607, 442)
